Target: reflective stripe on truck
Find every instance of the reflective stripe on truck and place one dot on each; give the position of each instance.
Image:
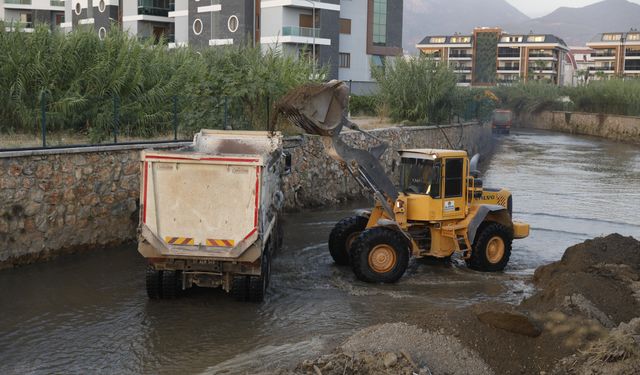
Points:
(221, 243)
(179, 240)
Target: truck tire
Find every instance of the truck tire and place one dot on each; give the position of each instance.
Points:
(343, 236)
(240, 288)
(380, 255)
(258, 284)
(153, 280)
(491, 248)
(171, 284)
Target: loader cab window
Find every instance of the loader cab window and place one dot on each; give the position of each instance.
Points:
(420, 176)
(453, 178)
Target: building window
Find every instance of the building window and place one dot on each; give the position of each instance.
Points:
(197, 26)
(378, 61)
(633, 37)
(437, 40)
(232, 24)
(380, 22)
(611, 37)
(26, 19)
(535, 38)
(102, 33)
(511, 39)
(460, 39)
(345, 26)
(78, 9)
(345, 60)
(102, 6)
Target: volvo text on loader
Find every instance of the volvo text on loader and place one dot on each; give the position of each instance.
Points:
(439, 207)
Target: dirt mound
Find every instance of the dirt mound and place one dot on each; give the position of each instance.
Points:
(617, 353)
(598, 279)
(396, 348)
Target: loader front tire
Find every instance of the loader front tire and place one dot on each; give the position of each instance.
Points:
(343, 236)
(153, 280)
(380, 255)
(492, 248)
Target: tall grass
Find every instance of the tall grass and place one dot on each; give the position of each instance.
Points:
(83, 82)
(416, 89)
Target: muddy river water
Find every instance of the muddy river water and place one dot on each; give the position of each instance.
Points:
(89, 313)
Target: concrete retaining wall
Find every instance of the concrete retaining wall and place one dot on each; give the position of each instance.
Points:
(58, 201)
(618, 128)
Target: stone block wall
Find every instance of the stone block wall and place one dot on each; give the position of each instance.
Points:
(58, 201)
(617, 128)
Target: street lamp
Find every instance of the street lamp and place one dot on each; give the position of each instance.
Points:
(313, 31)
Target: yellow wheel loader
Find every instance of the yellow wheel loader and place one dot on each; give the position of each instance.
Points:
(439, 206)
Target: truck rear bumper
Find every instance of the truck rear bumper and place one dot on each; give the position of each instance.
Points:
(150, 246)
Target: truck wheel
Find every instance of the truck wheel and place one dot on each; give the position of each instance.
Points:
(240, 288)
(342, 237)
(380, 255)
(491, 248)
(258, 284)
(171, 284)
(153, 279)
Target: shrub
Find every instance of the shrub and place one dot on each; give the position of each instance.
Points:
(416, 89)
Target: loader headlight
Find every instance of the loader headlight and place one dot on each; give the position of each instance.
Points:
(399, 203)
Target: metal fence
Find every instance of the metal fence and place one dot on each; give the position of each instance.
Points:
(110, 120)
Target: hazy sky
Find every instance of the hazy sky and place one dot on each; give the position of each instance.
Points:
(537, 8)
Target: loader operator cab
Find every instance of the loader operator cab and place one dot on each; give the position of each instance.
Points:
(420, 176)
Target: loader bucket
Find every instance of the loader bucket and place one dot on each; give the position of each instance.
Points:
(318, 109)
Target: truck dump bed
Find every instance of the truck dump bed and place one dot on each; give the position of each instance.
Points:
(211, 199)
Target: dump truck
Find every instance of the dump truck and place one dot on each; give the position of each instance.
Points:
(210, 213)
(501, 121)
(438, 208)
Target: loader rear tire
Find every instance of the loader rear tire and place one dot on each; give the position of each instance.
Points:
(343, 236)
(380, 255)
(171, 284)
(153, 280)
(240, 288)
(491, 248)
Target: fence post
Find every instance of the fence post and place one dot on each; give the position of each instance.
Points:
(43, 123)
(226, 112)
(116, 118)
(175, 117)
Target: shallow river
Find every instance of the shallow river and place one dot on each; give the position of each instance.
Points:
(89, 313)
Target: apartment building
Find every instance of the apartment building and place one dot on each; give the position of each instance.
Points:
(616, 54)
(27, 13)
(346, 36)
(489, 56)
(144, 18)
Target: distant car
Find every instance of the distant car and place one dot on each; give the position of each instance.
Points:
(501, 121)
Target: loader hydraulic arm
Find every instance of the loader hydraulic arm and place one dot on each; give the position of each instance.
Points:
(321, 109)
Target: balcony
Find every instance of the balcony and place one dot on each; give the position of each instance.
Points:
(160, 8)
(18, 2)
(537, 55)
(460, 55)
(307, 32)
(632, 52)
(601, 68)
(510, 68)
(509, 55)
